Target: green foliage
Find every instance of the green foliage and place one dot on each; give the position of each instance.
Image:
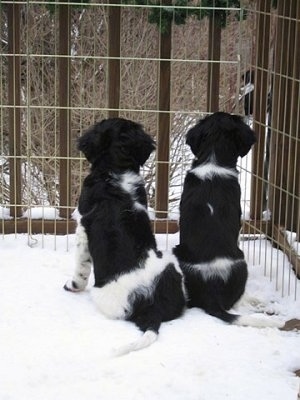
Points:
(164, 15)
(52, 7)
(219, 12)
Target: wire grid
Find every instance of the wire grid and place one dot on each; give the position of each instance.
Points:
(275, 185)
(39, 158)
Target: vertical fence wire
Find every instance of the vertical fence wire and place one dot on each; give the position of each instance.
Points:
(116, 62)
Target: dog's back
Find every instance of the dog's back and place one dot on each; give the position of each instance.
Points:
(210, 217)
(119, 234)
(214, 266)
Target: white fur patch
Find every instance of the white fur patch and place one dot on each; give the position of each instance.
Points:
(128, 182)
(210, 170)
(83, 261)
(113, 298)
(139, 207)
(211, 209)
(219, 267)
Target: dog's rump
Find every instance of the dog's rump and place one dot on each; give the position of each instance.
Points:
(165, 303)
(157, 285)
(216, 286)
(145, 298)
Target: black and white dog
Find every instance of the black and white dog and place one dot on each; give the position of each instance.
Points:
(133, 280)
(213, 264)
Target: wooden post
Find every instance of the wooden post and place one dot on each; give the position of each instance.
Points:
(14, 100)
(64, 112)
(213, 67)
(260, 106)
(114, 26)
(285, 139)
(163, 135)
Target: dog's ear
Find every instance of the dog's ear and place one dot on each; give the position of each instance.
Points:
(244, 137)
(137, 142)
(195, 137)
(94, 140)
(144, 147)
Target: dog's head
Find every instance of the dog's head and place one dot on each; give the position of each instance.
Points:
(224, 135)
(117, 142)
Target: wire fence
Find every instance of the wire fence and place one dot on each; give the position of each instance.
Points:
(65, 65)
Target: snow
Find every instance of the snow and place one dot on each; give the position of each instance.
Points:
(49, 213)
(56, 345)
(5, 213)
(292, 240)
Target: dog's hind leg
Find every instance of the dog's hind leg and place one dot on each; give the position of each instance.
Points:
(83, 262)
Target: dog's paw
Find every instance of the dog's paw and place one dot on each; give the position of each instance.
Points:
(70, 286)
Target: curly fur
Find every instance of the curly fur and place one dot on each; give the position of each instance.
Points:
(213, 264)
(133, 280)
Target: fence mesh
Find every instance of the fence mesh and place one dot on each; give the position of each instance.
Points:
(65, 65)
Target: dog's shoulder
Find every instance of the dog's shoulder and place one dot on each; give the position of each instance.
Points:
(96, 187)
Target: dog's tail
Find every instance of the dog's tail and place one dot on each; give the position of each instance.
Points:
(144, 341)
(248, 320)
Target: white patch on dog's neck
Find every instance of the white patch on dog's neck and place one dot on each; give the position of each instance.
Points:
(129, 182)
(211, 169)
(219, 267)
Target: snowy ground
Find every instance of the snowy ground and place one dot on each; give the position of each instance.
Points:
(55, 345)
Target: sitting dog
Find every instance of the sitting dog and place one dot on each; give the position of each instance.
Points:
(213, 264)
(133, 280)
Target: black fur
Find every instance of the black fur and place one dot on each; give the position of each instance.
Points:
(210, 215)
(117, 225)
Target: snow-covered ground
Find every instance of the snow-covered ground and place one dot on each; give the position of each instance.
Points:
(55, 345)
